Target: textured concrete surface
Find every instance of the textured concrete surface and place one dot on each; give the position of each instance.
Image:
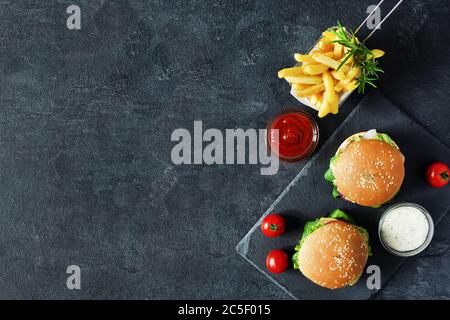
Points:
(85, 122)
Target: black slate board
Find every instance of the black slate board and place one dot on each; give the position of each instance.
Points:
(308, 197)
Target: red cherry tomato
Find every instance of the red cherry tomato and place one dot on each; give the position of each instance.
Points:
(438, 174)
(277, 261)
(273, 225)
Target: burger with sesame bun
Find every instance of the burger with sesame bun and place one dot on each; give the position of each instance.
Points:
(332, 251)
(368, 169)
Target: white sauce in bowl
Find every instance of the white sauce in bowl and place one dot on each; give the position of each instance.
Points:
(405, 228)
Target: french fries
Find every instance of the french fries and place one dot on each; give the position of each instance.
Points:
(309, 91)
(304, 79)
(326, 60)
(338, 75)
(314, 69)
(351, 86)
(305, 58)
(329, 35)
(329, 54)
(330, 95)
(325, 74)
(338, 51)
(325, 45)
(352, 74)
(290, 72)
(330, 100)
(377, 53)
(300, 86)
(316, 99)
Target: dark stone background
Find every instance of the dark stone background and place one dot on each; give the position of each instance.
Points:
(85, 122)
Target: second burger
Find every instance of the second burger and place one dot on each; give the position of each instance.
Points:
(368, 169)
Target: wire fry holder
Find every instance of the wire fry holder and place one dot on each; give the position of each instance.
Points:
(344, 96)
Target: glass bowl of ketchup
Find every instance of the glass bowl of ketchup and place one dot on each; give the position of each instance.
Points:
(298, 135)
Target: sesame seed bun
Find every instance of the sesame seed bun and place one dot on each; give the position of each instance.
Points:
(369, 172)
(334, 256)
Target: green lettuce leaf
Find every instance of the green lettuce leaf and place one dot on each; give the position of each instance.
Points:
(329, 176)
(295, 261)
(336, 193)
(333, 160)
(341, 215)
(384, 137)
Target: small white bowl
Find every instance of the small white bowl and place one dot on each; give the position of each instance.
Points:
(427, 239)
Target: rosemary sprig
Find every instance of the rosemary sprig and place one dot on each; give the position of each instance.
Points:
(363, 57)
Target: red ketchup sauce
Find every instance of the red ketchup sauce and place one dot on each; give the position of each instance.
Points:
(298, 135)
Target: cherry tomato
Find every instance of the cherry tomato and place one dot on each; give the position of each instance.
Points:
(277, 261)
(273, 225)
(438, 174)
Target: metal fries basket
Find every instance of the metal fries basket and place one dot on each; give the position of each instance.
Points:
(343, 97)
(305, 101)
